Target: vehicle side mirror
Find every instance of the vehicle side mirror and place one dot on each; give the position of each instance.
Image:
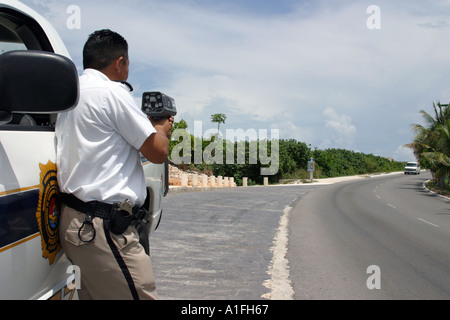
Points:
(36, 82)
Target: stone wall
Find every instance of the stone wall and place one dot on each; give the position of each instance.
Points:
(178, 177)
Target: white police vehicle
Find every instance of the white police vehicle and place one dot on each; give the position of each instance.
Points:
(38, 80)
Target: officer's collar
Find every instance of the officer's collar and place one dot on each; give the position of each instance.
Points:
(129, 86)
(105, 77)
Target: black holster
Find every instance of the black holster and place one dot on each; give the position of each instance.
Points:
(120, 220)
(142, 225)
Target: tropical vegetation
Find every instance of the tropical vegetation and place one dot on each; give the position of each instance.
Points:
(188, 152)
(431, 144)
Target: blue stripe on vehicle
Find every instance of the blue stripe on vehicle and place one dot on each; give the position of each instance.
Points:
(18, 216)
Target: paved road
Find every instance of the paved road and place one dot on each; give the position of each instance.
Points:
(389, 223)
(217, 244)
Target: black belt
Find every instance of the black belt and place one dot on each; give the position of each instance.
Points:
(95, 208)
(114, 217)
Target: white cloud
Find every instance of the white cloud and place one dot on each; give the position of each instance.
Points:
(404, 154)
(282, 69)
(342, 129)
(293, 131)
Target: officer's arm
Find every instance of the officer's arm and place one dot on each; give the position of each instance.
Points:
(156, 146)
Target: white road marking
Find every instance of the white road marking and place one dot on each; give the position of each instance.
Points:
(434, 225)
(279, 283)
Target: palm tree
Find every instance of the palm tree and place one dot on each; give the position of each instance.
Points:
(431, 144)
(439, 155)
(219, 118)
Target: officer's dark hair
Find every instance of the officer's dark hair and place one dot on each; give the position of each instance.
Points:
(102, 48)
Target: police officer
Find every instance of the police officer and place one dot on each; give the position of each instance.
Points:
(98, 161)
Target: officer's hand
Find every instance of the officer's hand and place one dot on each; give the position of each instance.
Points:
(163, 126)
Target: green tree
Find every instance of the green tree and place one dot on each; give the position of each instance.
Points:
(219, 118)
(179, 125)
(431, 144)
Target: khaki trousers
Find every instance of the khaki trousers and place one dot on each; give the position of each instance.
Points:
(111, 267)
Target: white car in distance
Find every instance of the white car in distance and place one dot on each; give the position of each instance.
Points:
(412, 167)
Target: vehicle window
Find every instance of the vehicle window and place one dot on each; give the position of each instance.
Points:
(20, 32)
(8, 46)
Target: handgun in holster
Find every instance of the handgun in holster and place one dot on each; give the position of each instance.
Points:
(125, 215)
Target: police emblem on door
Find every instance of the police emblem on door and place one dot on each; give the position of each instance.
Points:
(48, 211)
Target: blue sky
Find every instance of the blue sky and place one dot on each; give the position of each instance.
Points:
(311, 69)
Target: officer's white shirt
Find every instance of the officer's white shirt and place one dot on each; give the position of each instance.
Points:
(98, 142)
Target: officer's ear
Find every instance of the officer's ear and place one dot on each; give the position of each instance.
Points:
(121, 67)
(117, 63)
